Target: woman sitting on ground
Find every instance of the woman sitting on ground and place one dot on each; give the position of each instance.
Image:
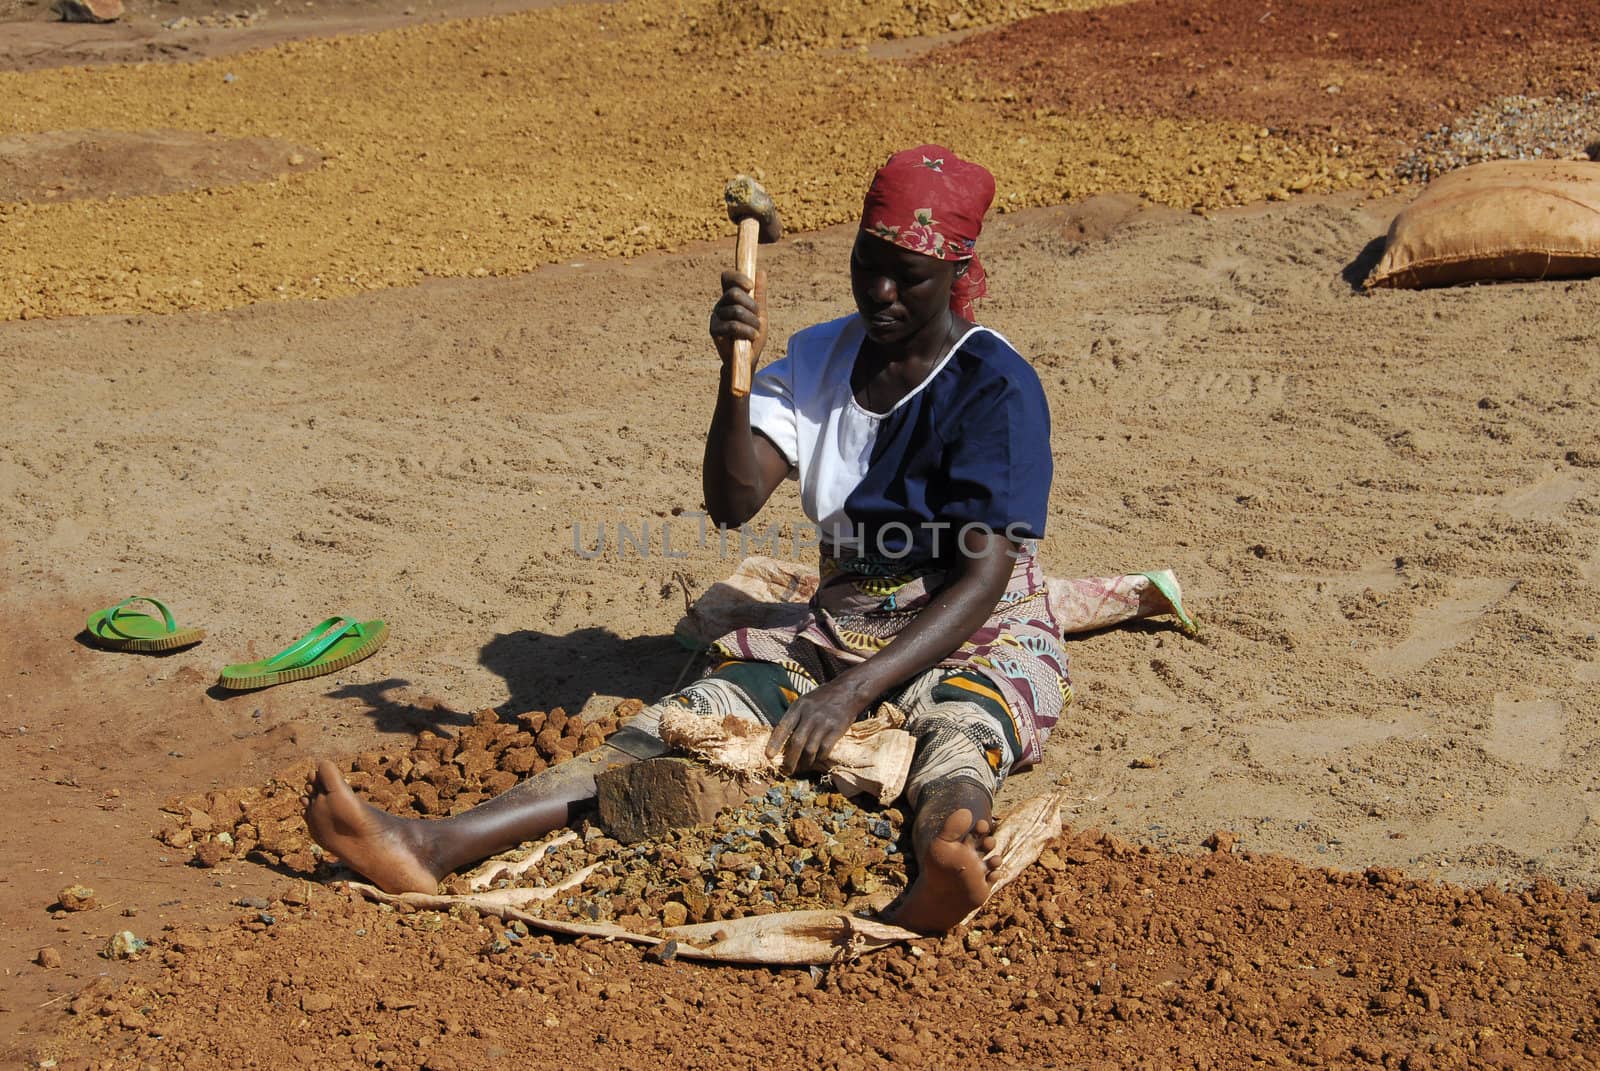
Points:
(921, 444)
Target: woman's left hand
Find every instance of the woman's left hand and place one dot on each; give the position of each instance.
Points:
(814, 723)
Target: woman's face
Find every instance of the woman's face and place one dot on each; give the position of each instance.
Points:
(897, 292)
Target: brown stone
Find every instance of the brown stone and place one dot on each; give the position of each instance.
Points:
(646, 799)
(806, 833)
(520, 760)
(425, 797)
(209, 853)
(48, 958)
(312, 1003)
(76, 898)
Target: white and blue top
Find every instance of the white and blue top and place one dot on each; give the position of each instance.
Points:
(969, 445)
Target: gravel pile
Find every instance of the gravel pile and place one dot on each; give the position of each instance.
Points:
(442, 773)
(791, 849)
(1511, 128)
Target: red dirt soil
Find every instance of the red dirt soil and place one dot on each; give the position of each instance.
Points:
(1395, 68)
(1103, 955)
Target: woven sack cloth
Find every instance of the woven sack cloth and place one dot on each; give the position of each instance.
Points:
(1505, 219)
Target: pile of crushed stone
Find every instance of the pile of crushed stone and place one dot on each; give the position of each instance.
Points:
(1510, 128)
(440, 774)
(790, 849)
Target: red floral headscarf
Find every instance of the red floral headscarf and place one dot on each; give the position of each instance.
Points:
(931, 201)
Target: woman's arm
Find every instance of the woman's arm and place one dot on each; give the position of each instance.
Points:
(741, 468)
(815, 721)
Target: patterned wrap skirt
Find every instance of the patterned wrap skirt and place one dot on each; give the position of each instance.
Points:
(863, 602)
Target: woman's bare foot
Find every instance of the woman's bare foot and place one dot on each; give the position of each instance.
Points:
(387, 850)
(953, 876)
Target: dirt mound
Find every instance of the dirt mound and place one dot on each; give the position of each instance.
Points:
(1102, 955)
(1347, 72)
(63, 165)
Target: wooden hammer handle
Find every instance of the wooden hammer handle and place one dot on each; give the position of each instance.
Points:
(744, 259)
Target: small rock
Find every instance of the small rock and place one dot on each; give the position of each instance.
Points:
(665, 952)
(1221, 842)
(674, 914)
(48, 958)
(1145, 762)
(1276, 903)
(88, 10)
(806, 833)
(123, 945)
(76, 898)
(208, 853)
(313, 1003)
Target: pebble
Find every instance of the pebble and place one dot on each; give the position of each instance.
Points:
(48, 958)
(77, 898)
(124, 945)
(312, 1003)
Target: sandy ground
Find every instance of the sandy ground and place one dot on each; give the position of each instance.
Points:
(1383, 509)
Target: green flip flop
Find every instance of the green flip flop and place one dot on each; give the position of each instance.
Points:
(1163, 581)
(336, 643)
(117, 628)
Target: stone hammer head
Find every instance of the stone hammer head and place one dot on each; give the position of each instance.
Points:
(747, 200)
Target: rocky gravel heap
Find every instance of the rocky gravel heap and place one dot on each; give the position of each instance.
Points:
(443, 773)
(791, 849)
(1510, 128)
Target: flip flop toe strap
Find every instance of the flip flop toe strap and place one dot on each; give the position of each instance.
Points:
(108, 623)
(313, 644)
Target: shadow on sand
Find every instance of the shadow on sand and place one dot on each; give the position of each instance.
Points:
(542, 671)
(395, 716)
(1355, 273)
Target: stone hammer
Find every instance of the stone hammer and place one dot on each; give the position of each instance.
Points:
(752, 209)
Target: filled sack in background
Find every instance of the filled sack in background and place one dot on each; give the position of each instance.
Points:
(1505, 219)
